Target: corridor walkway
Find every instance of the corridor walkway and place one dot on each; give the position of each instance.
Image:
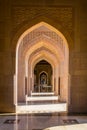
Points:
(41, 104)
(47, 121)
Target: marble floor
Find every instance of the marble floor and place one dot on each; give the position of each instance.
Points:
(44, 121)
(41, 104)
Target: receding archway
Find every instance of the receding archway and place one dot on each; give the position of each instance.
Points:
(41, 42)
(42, 77)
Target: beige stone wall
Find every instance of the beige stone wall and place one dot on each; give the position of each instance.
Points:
(78, 64)
(70, 17)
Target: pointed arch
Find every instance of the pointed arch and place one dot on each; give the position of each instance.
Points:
(50, 45)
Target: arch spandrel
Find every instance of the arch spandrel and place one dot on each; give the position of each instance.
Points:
(38, 57)
(51, 28)
(42, 46)
(40, 20)
(43, 55)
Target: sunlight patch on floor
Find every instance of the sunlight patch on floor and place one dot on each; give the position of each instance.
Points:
(41, 98)
(47, 108)
(69, 127)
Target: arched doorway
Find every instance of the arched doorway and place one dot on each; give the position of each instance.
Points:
(43, 77)
(42, 42)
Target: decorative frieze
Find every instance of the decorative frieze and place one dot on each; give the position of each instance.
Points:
(43, 35)
(63, 15)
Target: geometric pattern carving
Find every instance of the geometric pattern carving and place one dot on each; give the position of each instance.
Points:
(63, 15)
(43, 35)
(11, 121)
(70, 121)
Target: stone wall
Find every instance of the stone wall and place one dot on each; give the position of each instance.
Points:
(70, 17)
(78, 65)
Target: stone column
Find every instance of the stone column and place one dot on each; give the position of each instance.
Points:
(56, 81)
(25, 85)
(15, 89)
(30, 85)
(69, 85)
(59, 86)
(64, 88)
(52, 83)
